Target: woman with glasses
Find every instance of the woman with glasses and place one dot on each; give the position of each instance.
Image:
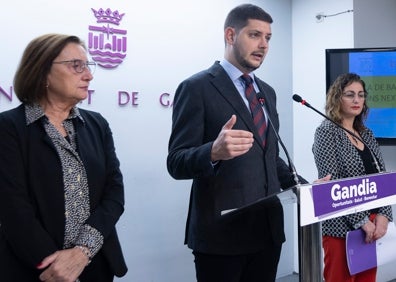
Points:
(342, 154)
(61, 188)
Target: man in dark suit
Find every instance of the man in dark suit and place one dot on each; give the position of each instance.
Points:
(214, 141)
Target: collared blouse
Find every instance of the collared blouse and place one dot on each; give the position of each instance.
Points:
(77, 207)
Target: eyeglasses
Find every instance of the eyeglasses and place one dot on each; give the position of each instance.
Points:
(350, 95)
(79, 65)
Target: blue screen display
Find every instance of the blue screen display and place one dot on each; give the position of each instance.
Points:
(377, 67)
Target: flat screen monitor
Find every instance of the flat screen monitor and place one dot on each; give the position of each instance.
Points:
(377, 68)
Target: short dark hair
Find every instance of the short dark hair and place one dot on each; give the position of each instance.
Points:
(238, 17)
(334, 95)
(30, 78)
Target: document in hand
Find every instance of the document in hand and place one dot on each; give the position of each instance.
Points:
(362, 256)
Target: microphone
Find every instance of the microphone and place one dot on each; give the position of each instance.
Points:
(293, 171)
(298, 99)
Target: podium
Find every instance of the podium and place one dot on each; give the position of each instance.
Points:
(321, 201)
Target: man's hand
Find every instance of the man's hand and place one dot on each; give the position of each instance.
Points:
(231, 143)
(323, 179)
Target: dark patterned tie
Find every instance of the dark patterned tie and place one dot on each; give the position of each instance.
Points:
(255, 107)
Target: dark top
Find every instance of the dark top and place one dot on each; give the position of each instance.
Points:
(32, 203)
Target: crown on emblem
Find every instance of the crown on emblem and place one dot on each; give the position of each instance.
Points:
(107, 16)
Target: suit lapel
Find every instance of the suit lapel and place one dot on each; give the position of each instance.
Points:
(227, 89)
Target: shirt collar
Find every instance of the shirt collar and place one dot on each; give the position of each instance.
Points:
(35, 112)
(233, 72)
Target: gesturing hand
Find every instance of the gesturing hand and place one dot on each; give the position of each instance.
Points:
(231, 143)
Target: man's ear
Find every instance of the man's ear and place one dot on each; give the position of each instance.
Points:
(229, 35)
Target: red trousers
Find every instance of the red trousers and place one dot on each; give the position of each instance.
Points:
(336, 266)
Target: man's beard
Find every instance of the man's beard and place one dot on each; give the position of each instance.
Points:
(243, 62)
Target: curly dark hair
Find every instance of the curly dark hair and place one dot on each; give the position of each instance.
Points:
(333, 100)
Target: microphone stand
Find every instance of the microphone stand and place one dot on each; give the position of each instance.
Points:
(292, 168)
(309, 242)
(298, 99)
(308, 236)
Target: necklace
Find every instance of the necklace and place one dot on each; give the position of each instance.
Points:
(354, 138)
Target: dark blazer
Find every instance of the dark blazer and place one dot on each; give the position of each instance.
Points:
(203, 103)
(31, 193)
